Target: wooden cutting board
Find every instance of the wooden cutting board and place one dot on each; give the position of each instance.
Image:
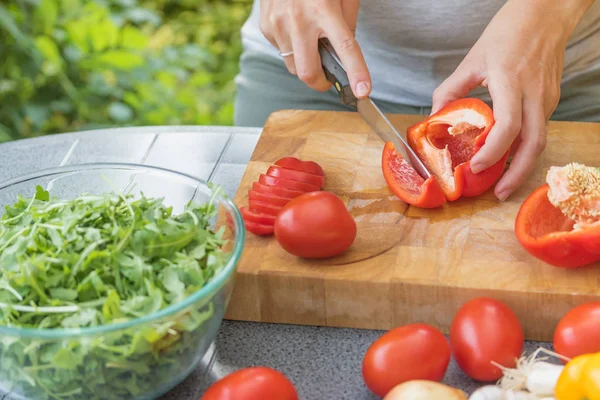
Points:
(407, 264)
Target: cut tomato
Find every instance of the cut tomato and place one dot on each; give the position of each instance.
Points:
(259, 229)
(264, 208)
(277, 191)
(306, 166)
(445, 142)
(268, 198)
(257, 218)
(287, 183)
(298, 176)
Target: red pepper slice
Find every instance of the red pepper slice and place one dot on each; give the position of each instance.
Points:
(286, 183)
(277, 191)
(445, 142)
(407, 184)
(296, 164)
(547, 234)
(299, 176)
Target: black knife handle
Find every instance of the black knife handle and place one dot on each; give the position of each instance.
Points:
(335, 72)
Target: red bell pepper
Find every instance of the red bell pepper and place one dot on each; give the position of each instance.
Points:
(552, 234)
(445, 142)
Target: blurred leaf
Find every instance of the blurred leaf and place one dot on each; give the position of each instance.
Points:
(133, 38)
(120, 112)
(48, 49)
(103, 35)
(45, 16)
(120, 59)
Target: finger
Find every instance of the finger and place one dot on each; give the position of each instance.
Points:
(531, 147)
(456, 86)
(306, 55)
(284, 44)
(350, 13)
(343, 41)
(507, 99)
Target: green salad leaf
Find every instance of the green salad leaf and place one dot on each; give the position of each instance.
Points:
(97, 260)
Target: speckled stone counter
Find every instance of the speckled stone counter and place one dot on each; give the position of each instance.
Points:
(323, 363)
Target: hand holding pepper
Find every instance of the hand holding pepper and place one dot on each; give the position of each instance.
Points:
(519, 58)
(294, 27)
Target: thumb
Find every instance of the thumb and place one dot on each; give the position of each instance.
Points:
(456, 86)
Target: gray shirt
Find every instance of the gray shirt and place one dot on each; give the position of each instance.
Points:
(411, 46)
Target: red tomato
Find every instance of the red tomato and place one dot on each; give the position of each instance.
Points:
(267, 198)
(578, 331)
(277, 191)
(299, 176)
(315, 225)
(485, 330)
(409, 352)
(257, 218)
(255, 383)
(264, 208)
(287, 183)
(259, 229)
(307, 166)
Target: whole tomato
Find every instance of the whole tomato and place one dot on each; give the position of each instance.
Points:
(254, 383)
(414, 351)
(485, 330)
(315, 225)
(578, 331)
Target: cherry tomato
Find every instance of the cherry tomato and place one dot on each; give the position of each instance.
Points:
(259, 229)
(257, 218)
(254, 383)
(485, 330)
(315, 225)
(307, 166)
(267, 198)
(299, 176)
(287, 183)
(264, 208)
(578, 331)
(409, 352)
(277, 191)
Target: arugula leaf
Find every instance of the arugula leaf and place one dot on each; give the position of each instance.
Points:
(97, 260)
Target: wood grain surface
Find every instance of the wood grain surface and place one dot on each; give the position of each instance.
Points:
(407, 264)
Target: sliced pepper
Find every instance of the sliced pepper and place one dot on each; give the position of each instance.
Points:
(446, 142)
(579, 379)
(564, 234)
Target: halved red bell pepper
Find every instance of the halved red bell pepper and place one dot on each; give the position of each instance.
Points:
(445, 142)
(551, 236)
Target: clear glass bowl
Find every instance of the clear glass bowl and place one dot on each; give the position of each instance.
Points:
(137, 359)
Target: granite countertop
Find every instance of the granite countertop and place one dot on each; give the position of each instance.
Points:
(323, 363)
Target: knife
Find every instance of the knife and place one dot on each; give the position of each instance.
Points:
(336, 74)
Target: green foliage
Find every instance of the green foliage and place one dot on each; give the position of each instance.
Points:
(75, 64)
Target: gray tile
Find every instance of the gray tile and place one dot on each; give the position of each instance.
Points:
(240, 149)
(229, 177)
(129, 148)
(27, 156)
(193, 153)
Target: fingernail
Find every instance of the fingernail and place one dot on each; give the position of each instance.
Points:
(362, 89)
(476, 168)
(503, 194)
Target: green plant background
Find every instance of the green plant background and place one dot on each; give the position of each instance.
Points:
(69, 65)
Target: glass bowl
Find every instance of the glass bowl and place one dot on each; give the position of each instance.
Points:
(140, 358)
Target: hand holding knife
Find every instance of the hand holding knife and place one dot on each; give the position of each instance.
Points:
(336, 74)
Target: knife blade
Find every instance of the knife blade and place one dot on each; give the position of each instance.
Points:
(373, 116)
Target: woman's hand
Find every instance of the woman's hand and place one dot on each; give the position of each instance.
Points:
(297, 25)
(519, 58)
